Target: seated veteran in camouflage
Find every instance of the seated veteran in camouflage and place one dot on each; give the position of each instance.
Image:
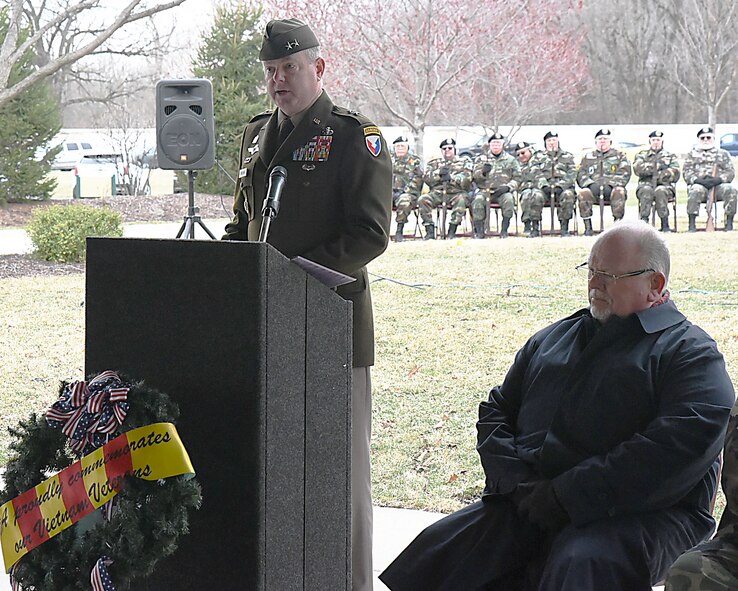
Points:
(713, 565)
(657, 171)
(407, 182)
(495, 174)
(449, 179)
(705, 168)
(531, 197)
(558, 175)
(603, 172)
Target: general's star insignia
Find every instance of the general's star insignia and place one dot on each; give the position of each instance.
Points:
(291, 44)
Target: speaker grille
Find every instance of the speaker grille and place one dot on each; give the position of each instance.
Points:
(169, 109)
(197, 109)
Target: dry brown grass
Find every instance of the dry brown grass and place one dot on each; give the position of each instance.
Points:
(440, 346)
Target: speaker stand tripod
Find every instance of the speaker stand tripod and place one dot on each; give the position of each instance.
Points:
(187, 230)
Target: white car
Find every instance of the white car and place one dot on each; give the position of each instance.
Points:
(72, 150)
(109, 165)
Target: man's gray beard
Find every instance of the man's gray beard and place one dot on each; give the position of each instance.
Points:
(601, 315)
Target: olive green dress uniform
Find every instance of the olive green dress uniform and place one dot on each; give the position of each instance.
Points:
(336, 204)
(335, 210)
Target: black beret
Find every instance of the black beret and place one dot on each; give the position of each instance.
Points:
(550, 134)
(522, 146)
(705, 131)
(401, 140)
(656, 134)
(496, 136)
(448, 142)
(604, 131)
(286, 37)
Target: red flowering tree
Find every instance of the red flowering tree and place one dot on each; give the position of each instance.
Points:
(422, 62)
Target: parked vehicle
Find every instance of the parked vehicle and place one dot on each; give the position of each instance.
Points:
(108, 165)
(473, 150)
(729, 142)
(72, 150)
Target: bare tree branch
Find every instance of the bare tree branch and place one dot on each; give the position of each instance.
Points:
(62, 26)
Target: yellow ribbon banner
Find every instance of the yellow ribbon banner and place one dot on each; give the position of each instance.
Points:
(37, 515)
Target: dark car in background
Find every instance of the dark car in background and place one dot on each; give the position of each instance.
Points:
(481, 145)
(729, 142)
(472, 150)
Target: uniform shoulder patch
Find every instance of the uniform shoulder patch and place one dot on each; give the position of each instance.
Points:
(373, 140)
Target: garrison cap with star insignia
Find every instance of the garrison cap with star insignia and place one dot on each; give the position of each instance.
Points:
(286, 37)
(550, 134)
(705, 131)
(603, 132)
(496, 136)
(447, 142)
(656, 133)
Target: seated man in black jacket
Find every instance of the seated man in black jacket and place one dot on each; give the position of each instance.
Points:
(600, 449)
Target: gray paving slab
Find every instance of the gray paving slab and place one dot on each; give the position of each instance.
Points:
(16, 240)
(394, 529)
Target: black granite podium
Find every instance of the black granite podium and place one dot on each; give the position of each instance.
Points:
(258, 356)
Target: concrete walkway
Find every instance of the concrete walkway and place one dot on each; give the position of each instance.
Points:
(16, 240)
(393, 530)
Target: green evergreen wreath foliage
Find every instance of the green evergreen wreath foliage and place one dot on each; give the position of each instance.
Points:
(148, 519)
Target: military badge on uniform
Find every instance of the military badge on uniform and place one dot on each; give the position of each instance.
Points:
(373, 140)
(317, 149)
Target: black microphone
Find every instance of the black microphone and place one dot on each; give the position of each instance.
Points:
(270, 208)
(277, 179)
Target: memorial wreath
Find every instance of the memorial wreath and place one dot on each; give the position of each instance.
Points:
(128, 535)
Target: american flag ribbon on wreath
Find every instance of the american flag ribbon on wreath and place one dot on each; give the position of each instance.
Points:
(90, 413)
(100, 578)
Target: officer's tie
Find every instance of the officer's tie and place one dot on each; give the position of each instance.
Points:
(284, 130)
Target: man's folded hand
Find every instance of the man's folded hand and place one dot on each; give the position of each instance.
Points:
(537, 502)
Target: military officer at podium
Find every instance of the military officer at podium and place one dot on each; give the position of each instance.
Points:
(335, 210)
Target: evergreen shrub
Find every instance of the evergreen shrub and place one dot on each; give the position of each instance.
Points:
(59, 232)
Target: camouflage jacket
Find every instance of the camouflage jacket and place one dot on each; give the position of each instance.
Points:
(529, 175)
(558, 169)
(701, 163)
(407, 174)
(656, 168)
(728, 528)
(505, 170)
(460, 170)
(607, 168)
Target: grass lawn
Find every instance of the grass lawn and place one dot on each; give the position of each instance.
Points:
(449, 318)
(442, 345)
